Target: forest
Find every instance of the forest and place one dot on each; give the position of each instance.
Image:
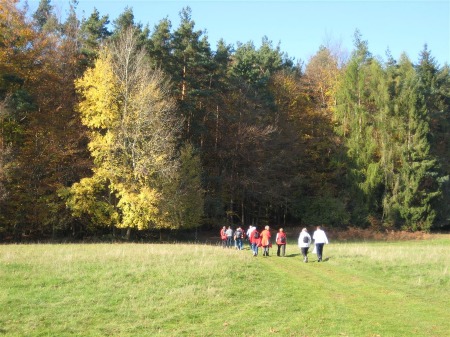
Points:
(115, 128)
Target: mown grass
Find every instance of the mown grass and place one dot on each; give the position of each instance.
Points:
(363, 289)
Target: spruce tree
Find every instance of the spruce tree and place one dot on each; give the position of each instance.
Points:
(418, 182)
(359, 101)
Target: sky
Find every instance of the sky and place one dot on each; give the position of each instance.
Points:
(299, 27)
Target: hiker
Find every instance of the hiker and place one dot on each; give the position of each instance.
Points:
(249, 233)
(320, 239)
(281, 242)
(238, 237)
(223, 236)
(229, 233)
(304, 240)
(255, 240)
(265, 240)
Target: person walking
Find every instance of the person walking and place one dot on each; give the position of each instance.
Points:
(255, 240)
(320, 240)
(223, 236)
(281, 242)
(304, 240)
(265, 240)
(249, 233)
(238, 237)
(229, 233)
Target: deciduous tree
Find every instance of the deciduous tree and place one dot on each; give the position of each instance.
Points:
(127, 106)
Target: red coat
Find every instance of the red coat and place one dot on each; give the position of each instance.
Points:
(223, 236)
(279, 236)
(253, 239)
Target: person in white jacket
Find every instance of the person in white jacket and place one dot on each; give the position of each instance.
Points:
(304, 240)
(320, 239)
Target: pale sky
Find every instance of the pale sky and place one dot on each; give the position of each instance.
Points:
(299, 26)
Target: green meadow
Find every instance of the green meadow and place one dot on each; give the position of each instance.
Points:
(362, 289)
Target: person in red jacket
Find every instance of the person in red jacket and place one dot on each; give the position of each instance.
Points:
(265, 240)
(255, 240)
(281, 242)
(223, 236)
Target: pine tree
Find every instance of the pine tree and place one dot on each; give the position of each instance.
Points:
(359, 103)
(44, 17)
(434, 83)
(93, 32)
(192, 66)
(418, 182)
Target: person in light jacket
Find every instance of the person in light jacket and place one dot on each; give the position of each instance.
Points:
(229, 232)
(249, 234)
(304, 240)
(320, 239)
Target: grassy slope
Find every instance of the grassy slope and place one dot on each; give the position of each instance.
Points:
(364, 289)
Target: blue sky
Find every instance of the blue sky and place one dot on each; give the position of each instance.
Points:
(300, 26)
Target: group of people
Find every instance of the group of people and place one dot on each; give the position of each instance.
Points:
(262, 239)
(305, 240)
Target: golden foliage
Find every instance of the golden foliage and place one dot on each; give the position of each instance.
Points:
(126, 106)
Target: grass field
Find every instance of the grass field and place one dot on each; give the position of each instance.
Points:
(362, 289)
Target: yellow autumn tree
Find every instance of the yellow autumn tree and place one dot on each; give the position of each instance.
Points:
(322, 73)
(127, 108)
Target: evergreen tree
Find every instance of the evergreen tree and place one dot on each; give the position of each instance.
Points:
(434, 83)
(160, 49)
(192, 60)
(359, 101)
(418, 181)
(93, 32)
(44, 17)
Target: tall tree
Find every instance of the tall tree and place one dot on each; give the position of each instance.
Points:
(127, 107)
(434, 84)
(419, 184)
(17, 107)
(160, 49)
(357, 110)
(192, 59)
(52, 154)
(323, 73)
(44, 17)
(93, 33)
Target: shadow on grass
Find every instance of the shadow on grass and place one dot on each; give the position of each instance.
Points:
(293, 255)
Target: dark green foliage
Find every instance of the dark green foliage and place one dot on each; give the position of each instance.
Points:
(385, 119)
(43, 13)
(322, 210)
(93, 32)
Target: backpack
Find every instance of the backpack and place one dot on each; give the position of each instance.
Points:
(238, 234)
(305, 239)
(256, 235)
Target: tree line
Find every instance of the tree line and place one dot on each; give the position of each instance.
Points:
(116, 127)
